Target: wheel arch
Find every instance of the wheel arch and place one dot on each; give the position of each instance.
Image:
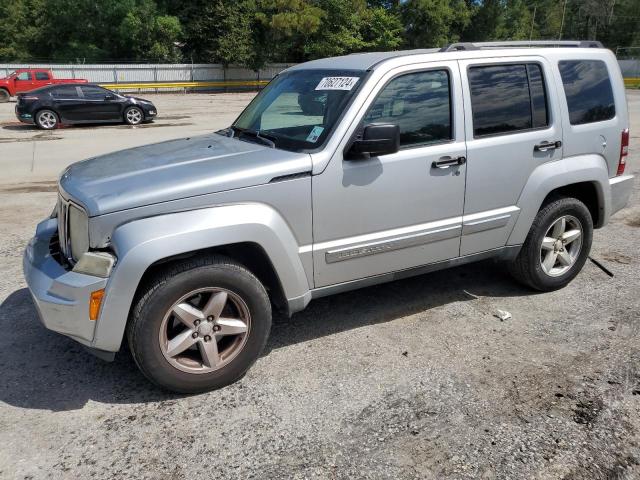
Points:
(584, 177)
(249, 254)
(252, 234)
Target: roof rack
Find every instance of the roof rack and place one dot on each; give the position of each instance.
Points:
(521, 44)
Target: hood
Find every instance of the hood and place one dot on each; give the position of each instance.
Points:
(138, 99)
(173, 170)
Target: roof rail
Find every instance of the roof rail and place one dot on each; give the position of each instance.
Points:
(521, 44)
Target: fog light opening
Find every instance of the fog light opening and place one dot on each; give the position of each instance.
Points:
(94, 304)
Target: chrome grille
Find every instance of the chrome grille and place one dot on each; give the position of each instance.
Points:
(63, 227)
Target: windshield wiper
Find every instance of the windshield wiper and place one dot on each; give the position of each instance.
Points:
(262, 137)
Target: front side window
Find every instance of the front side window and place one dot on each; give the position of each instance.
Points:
(298, 110)
(507, 98)
(24, 76)
(42, 76)
(588, 91)
(419, 103)
(91, 92)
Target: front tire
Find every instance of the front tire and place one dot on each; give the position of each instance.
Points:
(133, 116)
(199, 325)
(556, 247)
(47, 119)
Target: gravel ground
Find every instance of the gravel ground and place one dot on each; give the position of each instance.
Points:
(413, 379)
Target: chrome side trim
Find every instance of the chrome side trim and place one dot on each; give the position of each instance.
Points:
(502, 253)
(479, 222)
(396, 243)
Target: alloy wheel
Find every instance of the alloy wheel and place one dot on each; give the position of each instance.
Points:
(134, 116)
(47, 119)
(204, 330)
(561, 246)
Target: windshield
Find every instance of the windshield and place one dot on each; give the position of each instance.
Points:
(298, 110)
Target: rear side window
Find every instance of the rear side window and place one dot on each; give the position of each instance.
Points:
(588, 91)
(65, 92)
(507, 98)
(419, 103)
(42, 76)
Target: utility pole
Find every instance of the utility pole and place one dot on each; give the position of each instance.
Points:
(533, 21)
(564, 9)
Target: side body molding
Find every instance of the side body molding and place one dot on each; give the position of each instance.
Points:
(141, 243)
(552, 175)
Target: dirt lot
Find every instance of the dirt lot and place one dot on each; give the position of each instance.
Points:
(414, 379)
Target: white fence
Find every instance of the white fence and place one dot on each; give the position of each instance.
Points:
(630, 68)
(132, 73)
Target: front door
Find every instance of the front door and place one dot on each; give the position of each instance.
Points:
(99, 104)
(24, 82)
(393, 212)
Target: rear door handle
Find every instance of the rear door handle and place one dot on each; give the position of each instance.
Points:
(545, 146)
(446, 162)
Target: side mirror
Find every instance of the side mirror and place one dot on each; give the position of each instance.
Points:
(377, 139)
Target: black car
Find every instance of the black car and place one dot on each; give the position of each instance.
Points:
(49, 106)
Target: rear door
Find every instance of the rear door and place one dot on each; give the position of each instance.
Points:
(513, 125)
(67, 102)
(42, 78)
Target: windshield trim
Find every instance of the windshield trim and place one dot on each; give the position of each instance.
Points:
(356, 92)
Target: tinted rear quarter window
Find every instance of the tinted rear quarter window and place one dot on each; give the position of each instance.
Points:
(588, 91)
(507, 98)
(42, 76)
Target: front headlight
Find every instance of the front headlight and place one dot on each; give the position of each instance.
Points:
(78, 232)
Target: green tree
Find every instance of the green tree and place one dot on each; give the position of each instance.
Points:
(434, 23)
(17, 29)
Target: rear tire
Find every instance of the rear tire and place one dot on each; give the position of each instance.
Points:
(47, 119)
(193, 308)
(556, 247)
(133, 116)
(4, 96)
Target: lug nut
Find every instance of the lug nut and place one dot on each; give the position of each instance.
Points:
(210, 318)
(195, 335)
(207, 338)
(216, 328)
(196, 323)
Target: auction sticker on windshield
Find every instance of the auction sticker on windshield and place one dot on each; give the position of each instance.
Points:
(337, 83)
(315, 134)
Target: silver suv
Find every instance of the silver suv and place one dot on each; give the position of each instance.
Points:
(341, 173)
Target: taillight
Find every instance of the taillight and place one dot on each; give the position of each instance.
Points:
(624, 151)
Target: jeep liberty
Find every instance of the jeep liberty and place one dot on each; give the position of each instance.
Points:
(342, 173)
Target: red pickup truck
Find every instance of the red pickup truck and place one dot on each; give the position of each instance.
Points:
(27, 79)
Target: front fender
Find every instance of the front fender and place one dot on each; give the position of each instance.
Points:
(141, 243)
(552, 175)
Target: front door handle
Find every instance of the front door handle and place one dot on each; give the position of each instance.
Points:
(446, 162)
(545, 146)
